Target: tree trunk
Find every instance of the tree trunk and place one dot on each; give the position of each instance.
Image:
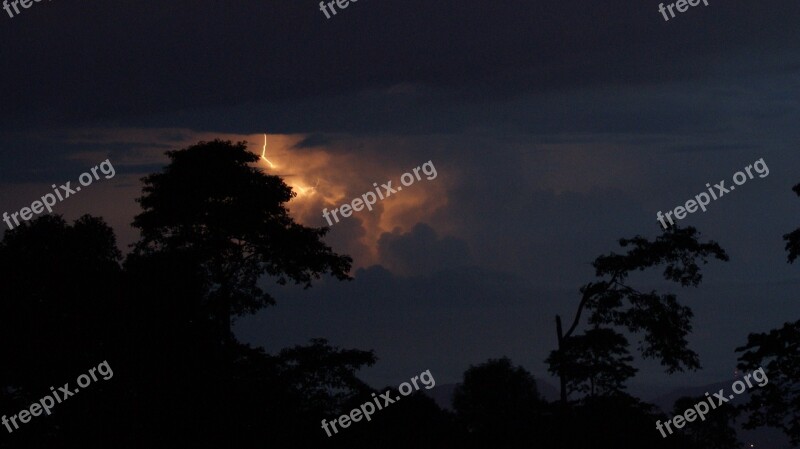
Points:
(561, 374)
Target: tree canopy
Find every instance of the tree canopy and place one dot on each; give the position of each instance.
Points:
(662, 322)
(230, 218)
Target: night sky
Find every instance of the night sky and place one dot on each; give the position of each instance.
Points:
(555, 128)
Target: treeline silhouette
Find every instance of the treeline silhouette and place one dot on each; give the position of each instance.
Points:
(211, 226)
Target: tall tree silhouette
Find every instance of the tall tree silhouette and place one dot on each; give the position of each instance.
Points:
(231, 218)
(498, 403)
(59, 294)
(59, 315)
(325, 375)
(598, 362)
(282, 398)
(776, 404)
(612, 301)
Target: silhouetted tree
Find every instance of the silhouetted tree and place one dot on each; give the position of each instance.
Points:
(212, 226)
(325, 375)
(223, 224)
(714, 431)
(59, 299)
(282, 398)
(416, 421)
(598, 362)
(793, 238)
(663, 321)
(617, 421)
(231, 217)
(59, 316)
(777, 403)
(499, 404)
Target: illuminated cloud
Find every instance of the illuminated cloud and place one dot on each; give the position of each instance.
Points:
(323, 172)
(331, 174)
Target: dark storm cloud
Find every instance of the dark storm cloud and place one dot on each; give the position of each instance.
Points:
(314, 140)
(714, 111)
(422, 251)
(111, 60)
(50, 156)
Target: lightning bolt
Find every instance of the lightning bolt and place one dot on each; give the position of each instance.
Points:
(264, 152)
(301, 191)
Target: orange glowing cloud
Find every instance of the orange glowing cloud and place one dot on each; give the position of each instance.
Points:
(329, 176)
(322, 176)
